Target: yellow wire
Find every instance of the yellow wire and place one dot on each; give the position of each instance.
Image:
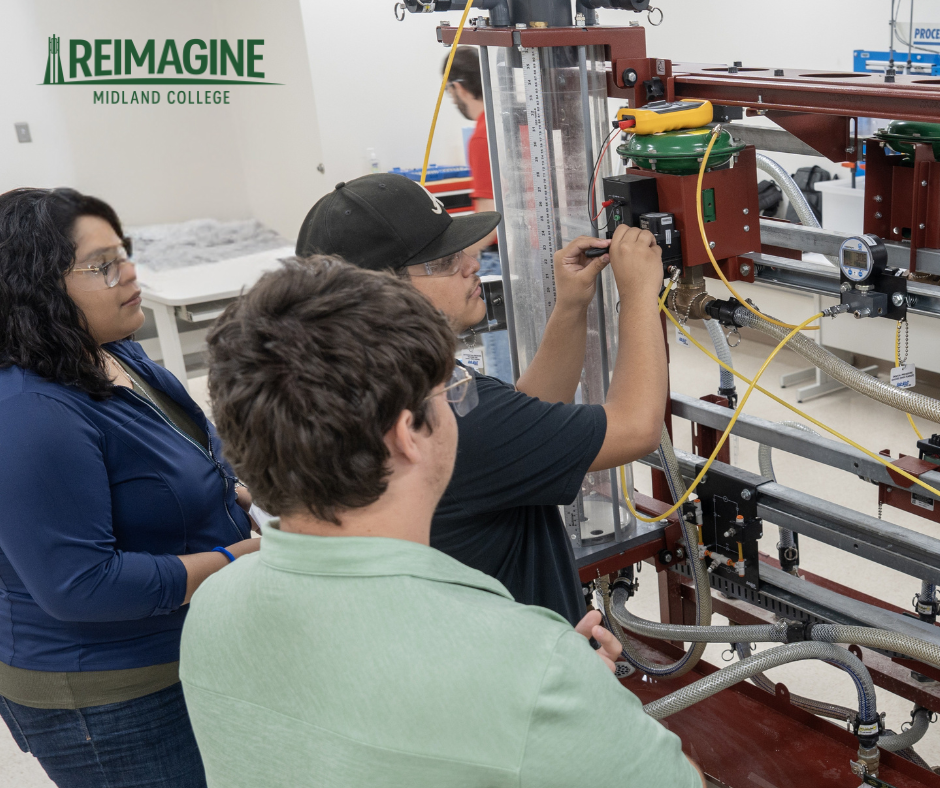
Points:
(897, 363)
(727, 432)
(440, 96)
(708, 249)
(790, 407)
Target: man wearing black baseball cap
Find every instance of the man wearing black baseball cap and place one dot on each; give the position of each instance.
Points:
(524, 450)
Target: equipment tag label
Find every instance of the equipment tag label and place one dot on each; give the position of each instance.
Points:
(682, 339)
(473, 358)
(922, 501)
(904, 377)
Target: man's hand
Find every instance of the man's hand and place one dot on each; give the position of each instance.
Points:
(589, 627)
(576, 275)
(637, 263)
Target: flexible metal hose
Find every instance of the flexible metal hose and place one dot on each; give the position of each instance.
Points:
(772, 658)
(703, 597)
(910, 737)
(756, 633)
(794, 195)
(787, 542)
(667, 455)
(723, 351)
(879, 639)
(817, 707)
(904, 400)
(788, 186)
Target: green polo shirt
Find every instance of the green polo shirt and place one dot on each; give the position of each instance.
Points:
(352, 661)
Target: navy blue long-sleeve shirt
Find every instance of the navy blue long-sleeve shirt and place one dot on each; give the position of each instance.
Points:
(97, 500)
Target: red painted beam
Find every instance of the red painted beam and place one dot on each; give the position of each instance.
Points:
(745, 737)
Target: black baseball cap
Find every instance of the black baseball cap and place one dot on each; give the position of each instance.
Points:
(384, 221)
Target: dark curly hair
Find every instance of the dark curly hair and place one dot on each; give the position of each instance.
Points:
(41, 328)
(307, 373)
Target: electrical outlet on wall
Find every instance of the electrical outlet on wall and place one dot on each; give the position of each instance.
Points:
(22, 132)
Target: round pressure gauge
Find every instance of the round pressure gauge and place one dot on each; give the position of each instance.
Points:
(862, 256)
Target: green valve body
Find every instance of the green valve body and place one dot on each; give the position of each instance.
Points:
(901, 135)
(679, 152)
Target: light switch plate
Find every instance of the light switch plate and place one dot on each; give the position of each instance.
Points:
(22, 132)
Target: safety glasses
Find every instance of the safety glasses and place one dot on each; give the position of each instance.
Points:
(461, 391)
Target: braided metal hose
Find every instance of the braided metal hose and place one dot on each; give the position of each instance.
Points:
(903, 400)
(879, 639)
(901, 741)
(759, 633)
(703, 597)
(760, 663)
(817, 707)
(764, 460)
(723, 351)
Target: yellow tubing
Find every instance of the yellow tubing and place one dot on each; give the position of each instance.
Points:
(727, 432)
(897, 363)
(440, 96)
(795, 410)
(708, 249)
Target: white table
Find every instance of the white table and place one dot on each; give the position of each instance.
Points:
(198, 293)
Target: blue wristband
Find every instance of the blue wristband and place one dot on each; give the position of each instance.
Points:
(224, 552)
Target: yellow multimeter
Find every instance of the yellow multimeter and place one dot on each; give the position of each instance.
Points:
(668, 115)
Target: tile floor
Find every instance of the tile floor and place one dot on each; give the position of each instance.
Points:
(874, 426)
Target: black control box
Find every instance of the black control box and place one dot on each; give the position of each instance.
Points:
(663, 228)
(631, 197)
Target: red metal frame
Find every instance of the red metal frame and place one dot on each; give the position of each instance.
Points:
(736, 208)
(763, 740)
(744, 736)
(903, 201)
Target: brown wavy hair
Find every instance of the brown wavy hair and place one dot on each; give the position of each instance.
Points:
(307, 373)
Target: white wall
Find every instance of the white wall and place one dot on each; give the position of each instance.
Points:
(256, 157)
(376, 81)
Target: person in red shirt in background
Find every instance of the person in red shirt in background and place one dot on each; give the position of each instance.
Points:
(466, 89)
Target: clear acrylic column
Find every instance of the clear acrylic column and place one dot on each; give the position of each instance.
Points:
(550, 114)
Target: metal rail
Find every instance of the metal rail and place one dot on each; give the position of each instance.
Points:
(923, 299)
(891, 545)
(802, 444)
(813, 239)
(770, 139)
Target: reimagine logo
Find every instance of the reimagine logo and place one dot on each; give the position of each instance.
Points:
(106, 61)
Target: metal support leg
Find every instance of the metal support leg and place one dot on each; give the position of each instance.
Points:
(172, 349)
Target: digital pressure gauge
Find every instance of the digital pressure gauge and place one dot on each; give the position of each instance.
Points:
(862, 256)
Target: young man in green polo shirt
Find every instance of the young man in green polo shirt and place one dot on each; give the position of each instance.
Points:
(347, 651)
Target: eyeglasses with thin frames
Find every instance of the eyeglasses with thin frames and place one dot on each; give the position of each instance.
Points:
(108, 273)
(460, 391)
(446, 266)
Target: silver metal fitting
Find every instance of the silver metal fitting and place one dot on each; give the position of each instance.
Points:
(711, 244)
(897, 299)
(836, 309)
(745, 269)
(747, 228)
(845, 287)
(745, 495)
(860, 313)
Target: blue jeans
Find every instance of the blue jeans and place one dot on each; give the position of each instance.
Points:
(496, 344)
(147, 741)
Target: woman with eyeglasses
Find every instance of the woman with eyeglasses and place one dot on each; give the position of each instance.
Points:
(116, 505)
